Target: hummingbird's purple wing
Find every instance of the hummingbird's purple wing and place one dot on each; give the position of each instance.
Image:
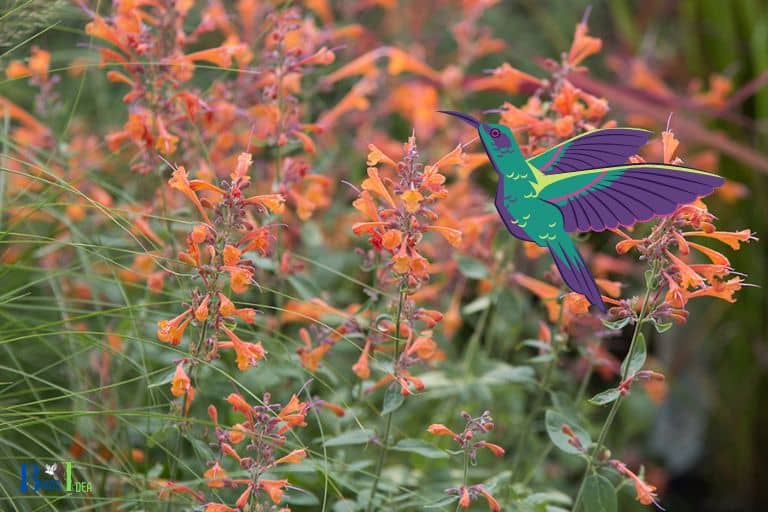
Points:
(598, 199)
(599, 148)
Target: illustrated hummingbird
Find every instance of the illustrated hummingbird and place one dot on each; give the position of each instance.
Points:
(582, 184)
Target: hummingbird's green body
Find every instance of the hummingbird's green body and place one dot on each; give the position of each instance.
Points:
(582, 184)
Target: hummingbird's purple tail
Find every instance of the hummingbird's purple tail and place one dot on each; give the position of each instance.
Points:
(574, 270)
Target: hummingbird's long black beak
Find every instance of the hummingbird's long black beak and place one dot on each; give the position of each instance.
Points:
(466, 117)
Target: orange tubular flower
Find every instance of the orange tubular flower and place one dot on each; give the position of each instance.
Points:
(453, 236)
(546, 292)
(412, 200)
(715, 257)
(293, 414)
(493, 505)
(228, 450)
(231, 255)
(239, 278)
(401, 260)
(247, 354)
(374, 184)
(361, 368)
(220, 56)
(215, 476)
(310, 359)
(494, 448)
(166, 142)
(507, 79)
(645, 493)
(362, 65)
(99, 28)
(295, 457)
(733, 239)
(198, 185)
(464, 499)
(439, 429)
(366, 227)
(236, 434)
(367, 206)
(390, 240)
(218, 507)
(180, 182)
(275, 203)
(242, 501)
(16, 70)
(688, 277)
(719, 289)
(676, 296)
(171, 331)
(274, 488)
(201, 312)
(248, 315)
(200, 233)
(423, 346)
(180, 385)
(376, 156)
(400, 61)
(173, 487)
(226, 307)
(583, 45)
(240, 405)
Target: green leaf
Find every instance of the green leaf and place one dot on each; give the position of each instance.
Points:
(472, 268)
(605, 397)
(618, 324)
(350, 438)
(542, 358)
(262, 262)
(662, 326)
(554, 423)
(638, 358)
(419, 447)
(504, 372)
(303, 287)
(443, 502)
(477, 305)
(201, 447)
(303, 498)
(599, 495)
(163, 378)
(393, 399)
(345, 506)
(548, 498)
(541, 345)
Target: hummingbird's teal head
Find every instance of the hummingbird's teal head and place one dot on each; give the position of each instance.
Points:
(497, 139)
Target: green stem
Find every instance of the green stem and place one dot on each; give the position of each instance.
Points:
(466, 471)
(584, 383)
(195, 350)
(579, 397)
(474, 341)
(388, 421)
(523, 437)
(617, 403)
(545, 381)
(276, 185)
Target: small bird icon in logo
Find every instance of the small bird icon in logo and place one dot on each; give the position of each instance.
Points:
(55, 470)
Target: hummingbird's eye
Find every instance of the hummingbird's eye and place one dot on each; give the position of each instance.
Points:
(495, 133)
